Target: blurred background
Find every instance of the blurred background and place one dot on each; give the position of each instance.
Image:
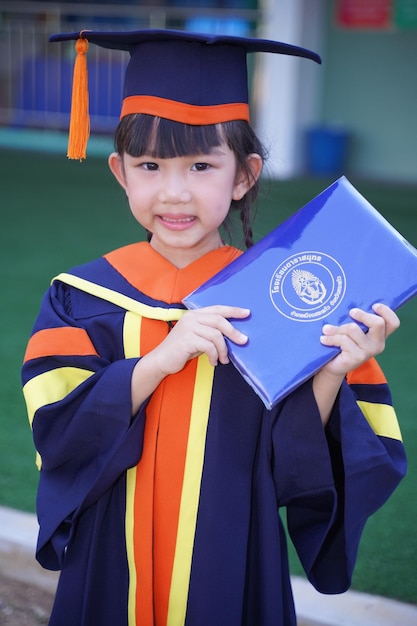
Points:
(355, 115)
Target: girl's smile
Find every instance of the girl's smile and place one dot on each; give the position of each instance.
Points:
(178, 221)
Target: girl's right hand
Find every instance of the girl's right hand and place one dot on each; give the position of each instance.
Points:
(200, 331)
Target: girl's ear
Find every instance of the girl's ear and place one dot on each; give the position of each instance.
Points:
(116, 166)
(246, 178)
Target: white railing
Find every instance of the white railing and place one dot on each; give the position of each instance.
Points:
(35, 76)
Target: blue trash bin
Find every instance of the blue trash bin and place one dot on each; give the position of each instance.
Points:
(327, 151)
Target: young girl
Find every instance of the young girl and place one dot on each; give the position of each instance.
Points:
(162, 473)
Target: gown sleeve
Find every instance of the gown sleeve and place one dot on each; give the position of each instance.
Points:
(79, 406)
(336, 478)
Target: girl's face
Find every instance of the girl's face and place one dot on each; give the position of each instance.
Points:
(183, 201)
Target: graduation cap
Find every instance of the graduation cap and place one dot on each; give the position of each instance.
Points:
(186, 77)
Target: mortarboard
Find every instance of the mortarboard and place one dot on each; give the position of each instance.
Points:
(186, 77)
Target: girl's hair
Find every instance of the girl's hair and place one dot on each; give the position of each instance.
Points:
(140, 134)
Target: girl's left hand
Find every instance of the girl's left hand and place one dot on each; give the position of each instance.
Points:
(356, 345)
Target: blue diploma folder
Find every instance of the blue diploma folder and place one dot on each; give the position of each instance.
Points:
(335, 253)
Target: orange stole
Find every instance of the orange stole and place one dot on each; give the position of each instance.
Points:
(157, 487)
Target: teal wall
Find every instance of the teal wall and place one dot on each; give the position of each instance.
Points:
(370, 88)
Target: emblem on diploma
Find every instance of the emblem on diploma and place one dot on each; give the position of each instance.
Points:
(307, 286)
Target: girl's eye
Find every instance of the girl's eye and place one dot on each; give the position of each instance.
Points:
(151, 167)
(200, 167)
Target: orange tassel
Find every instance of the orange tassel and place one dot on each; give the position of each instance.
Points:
(79, 130)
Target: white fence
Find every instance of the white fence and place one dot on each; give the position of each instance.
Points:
(35, 76)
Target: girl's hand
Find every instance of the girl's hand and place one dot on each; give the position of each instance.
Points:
(356, 348)
(356, 345)
(199, 331)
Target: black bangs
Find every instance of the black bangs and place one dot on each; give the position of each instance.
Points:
(164, 139)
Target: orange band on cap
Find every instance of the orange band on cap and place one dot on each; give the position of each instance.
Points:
(185, 113)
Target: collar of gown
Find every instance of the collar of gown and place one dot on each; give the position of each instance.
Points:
(152, 274)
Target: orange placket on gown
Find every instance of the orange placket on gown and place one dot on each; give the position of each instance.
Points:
(159, 478)
(158, 487)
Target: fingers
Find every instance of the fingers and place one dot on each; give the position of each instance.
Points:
(392, 321)
(212, 326)
(226, 311)
(350, 338)
(218, 316)
(356, 345)
(383, 322)
(204, 331)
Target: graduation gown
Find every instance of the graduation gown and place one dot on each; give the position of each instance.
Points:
(172, 516)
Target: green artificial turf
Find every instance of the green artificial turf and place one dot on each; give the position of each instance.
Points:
(56, 214)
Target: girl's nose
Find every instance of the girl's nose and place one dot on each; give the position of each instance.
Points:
(174, 190)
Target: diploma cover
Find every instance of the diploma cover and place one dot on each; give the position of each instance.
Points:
(335, 253)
